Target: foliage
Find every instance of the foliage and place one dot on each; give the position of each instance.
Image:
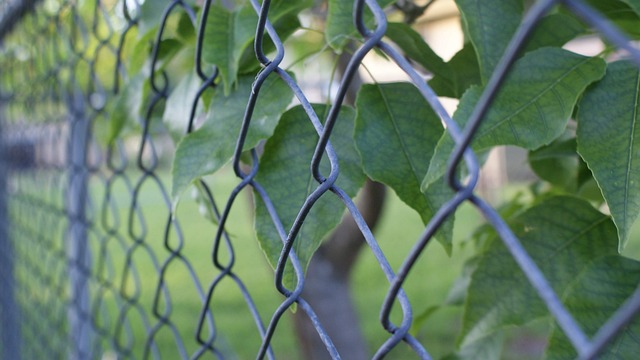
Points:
(393, 136)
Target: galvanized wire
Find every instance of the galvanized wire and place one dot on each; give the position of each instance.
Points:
(66, 226)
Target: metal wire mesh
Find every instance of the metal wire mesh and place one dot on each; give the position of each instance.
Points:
(90, 271)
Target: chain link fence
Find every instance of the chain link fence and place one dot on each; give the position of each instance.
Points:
(94, 256)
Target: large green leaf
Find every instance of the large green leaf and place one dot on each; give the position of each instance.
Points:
(396, 132)
(285, 26)
(607, 139)
(151, 14)
(554, 30)
(229, 33)
(487, 347)
(340, 27)
(490, 26)
(285, 175)
(463, 68)
(532, 107)
(623, 13)
(207, 149)
(594, 296)
(634, 4)
(141, 52)
(557, 163)
(563, 235)
(126, 107)
(140, 60)
(464, 73)
(414, 46)
(178, 109)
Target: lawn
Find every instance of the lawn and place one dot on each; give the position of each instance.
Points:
(428, 284)
(129, 258)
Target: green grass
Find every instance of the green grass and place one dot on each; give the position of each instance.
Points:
(234, 324)
(124, 270)
(399, 228)
(427, 285)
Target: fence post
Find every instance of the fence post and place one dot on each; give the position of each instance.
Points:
(78, 252)
(10, 331)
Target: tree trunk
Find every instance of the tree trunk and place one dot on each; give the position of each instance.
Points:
(327, 280)
(327, 285)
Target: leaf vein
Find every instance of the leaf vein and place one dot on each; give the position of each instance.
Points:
(536, 98)
(542, 115)
(627, 179)
(402, 143)
(577, 236)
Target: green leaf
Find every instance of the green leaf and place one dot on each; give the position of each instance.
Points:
(207, 149)
(589, 189)
(557, 163)
(464, 73)
(285, 175)
(414, 46)
(484, 234)
(608, 141)
(285, 26)
(623, 13)
(140, 53)
(151, 14)
(563, 235)
(201, 198)
(229, 33)
(460, 287)
(554, 30)
(490, 26)
(185, 29)
(532, 107)
(126, 107)
(634, 4)
(594, 297)
(339, 26)
(396, 132)
(178, 108)
(141, 58)
(280, 8)
(179, 65)
(487, 347)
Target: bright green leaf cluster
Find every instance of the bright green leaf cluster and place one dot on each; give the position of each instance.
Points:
(547, 92)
